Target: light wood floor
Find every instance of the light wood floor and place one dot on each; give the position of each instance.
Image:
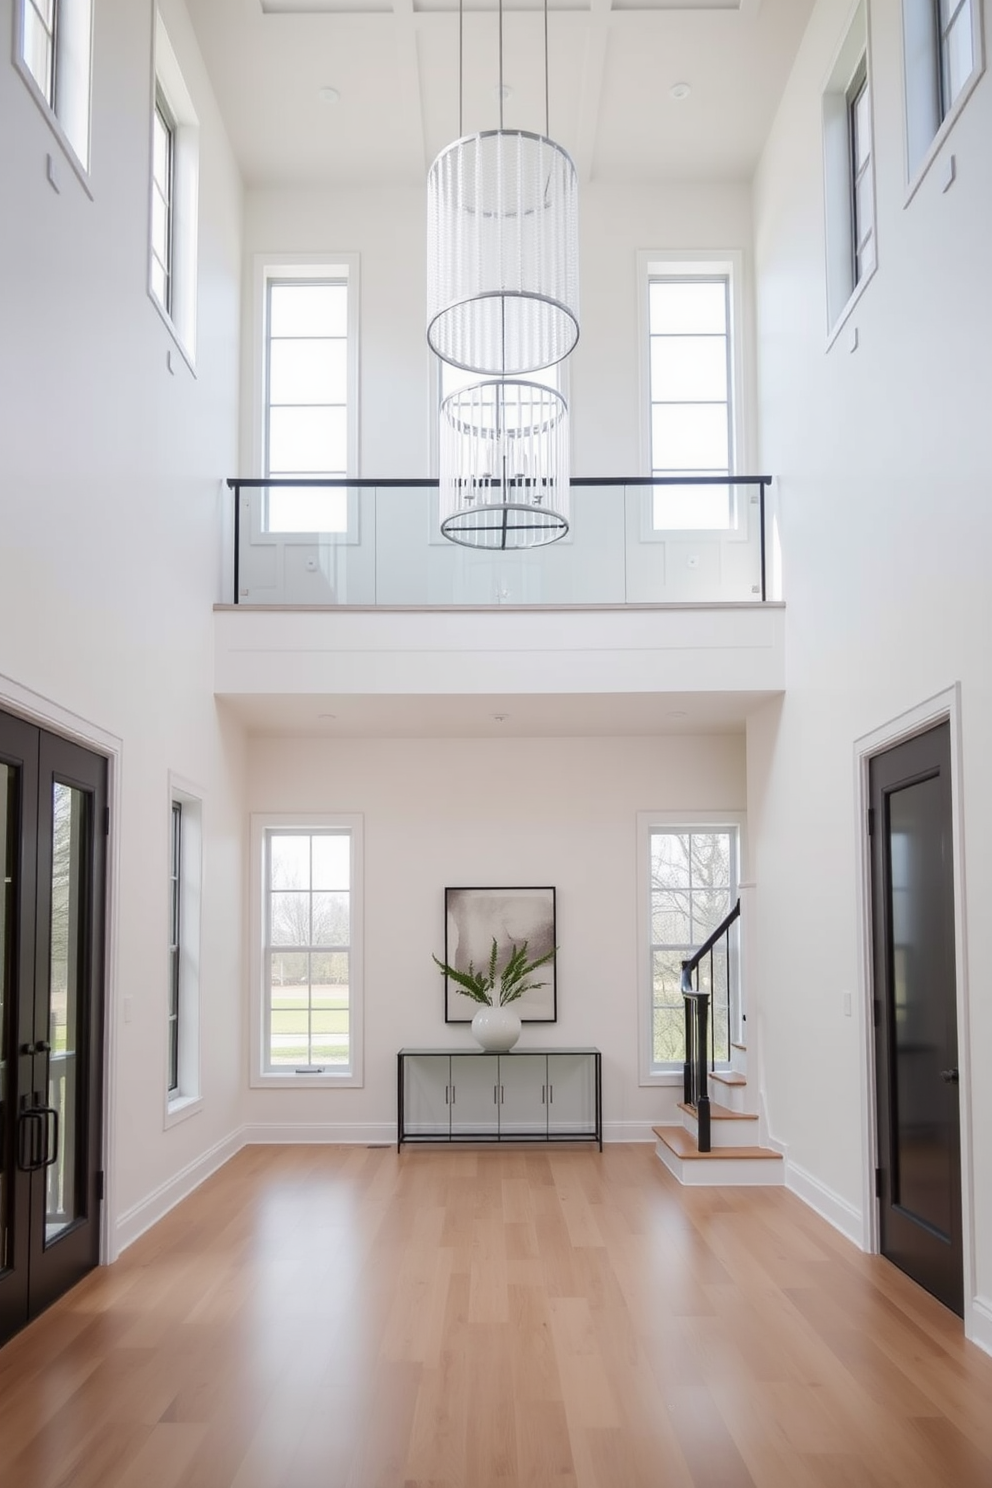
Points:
(346, 1318)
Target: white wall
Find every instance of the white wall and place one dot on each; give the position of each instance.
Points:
(110, 560)
(387, 228)
(882, 461)
(486, 811)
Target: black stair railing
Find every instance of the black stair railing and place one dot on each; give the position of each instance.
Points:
(700, 1025)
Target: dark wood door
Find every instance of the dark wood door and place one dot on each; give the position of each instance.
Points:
(52, 835)
(916, 1048)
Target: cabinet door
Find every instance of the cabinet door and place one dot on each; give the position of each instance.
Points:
(571, 1095)
(474, 1086)
(426, 1096)
(523, 1088)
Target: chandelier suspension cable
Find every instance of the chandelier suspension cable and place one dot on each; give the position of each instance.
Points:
(501, 64)
(547, 91)
(461, 65)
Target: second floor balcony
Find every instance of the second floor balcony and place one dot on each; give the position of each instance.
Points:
(349, 592)
(630, 542)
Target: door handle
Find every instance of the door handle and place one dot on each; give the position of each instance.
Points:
(50, 1121)
(30, 1140)
(949, 1077)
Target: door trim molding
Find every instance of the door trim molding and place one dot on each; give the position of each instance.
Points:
(943, 707)
(35, 708)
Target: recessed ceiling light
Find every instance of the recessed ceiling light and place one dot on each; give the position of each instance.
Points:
(678, 713)
(327, 715)
(680, 91)
(500, 717)
(329, 94)
(503, 92)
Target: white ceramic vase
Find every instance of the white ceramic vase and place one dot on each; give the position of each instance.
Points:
(496, 1028)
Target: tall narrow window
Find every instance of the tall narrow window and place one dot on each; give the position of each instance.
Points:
(163, 183)
(174, 206)
(693, 879)
(39, 45)
(943, 57)
(53, 50)
(848, 173)
(175, 947)
(306, 401)
(957, 49)
(862, 195)
(691, 396)
(182, 1002)
(307, 955)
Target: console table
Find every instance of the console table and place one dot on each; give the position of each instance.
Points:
(528, 1095)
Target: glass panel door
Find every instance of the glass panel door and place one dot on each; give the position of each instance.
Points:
(67, 971)
(8, 992)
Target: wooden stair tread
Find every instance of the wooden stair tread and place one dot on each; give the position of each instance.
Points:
(728, 1077)
(684, 1146)
(741, 1047)
(721, 1113)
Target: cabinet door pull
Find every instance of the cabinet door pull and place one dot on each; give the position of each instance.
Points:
(501, 1095)
(495, 1095)
(447, 1092)
(544, 1095)
(551, 1094)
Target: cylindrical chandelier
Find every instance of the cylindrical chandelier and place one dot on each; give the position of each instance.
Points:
(503, 273)
(503, 454)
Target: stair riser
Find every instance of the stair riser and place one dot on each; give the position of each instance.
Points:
(738, 1060)
(734, 1097)
(730, 1172)
(741, 1133)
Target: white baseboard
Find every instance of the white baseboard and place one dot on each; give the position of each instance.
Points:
(829, 1205)
(978, 1323)
(630, 1131)
(339, 1133)
(140, 1217)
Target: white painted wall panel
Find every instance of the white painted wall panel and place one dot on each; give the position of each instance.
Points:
(493, 812)
(882, 460)
(111, 520)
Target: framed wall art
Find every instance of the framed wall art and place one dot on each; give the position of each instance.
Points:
(472, 917)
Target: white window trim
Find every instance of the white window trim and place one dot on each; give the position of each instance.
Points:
(188, 1099)
(837, 206)
(696, 261)
(167, 79)
(329, 265)
(915, 178)
(81, 169)
(354, 1077)
(686, 821)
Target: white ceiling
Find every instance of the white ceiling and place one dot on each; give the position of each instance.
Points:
(477, 716)
(395, 65)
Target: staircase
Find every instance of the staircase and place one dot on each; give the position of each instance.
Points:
(734, 1158)
(715, 1144)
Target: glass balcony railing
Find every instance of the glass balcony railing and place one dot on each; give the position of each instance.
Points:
(630, 542)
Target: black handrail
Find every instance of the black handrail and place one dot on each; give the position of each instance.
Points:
(695, 1080)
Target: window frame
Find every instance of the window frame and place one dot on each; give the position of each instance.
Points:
(169, 90)
(690, 265)
(263, 825)
(167, 192)
(928, 116)
(313, 268)
(843, 283)
(183, 989)
(65, 39)
(649, 822)
(859, 87)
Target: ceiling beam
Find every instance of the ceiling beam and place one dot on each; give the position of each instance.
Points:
(408, 69)
(591, 92)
